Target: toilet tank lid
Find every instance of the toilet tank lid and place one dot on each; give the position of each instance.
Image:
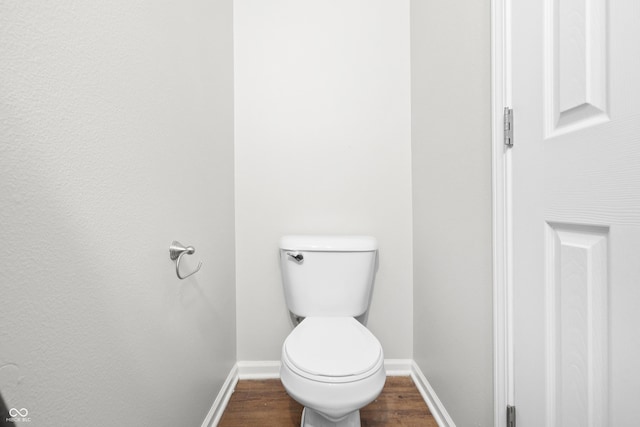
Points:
(329, 243)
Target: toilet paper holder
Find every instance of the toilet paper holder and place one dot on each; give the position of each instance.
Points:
(176, 252)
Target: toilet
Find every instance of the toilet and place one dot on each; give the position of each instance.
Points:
(331, 363)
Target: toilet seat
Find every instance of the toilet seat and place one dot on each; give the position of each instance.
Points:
(332, 349)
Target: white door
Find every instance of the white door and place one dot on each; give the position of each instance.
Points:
(576, 212)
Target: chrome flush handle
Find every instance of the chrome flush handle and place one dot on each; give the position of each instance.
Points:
(297, 256)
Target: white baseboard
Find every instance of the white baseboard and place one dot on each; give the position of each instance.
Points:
(270, 369)
(436, 407)
(398, 367)
(219, 405)
(259, 369)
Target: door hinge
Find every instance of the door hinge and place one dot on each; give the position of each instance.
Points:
(508, 126)
(511, 416)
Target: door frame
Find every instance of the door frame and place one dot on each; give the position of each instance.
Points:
(503, 384)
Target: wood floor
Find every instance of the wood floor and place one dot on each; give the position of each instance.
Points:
(266, 403)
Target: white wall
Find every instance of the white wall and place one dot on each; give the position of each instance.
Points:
(116, 137)
(451, 147)
(322, 127)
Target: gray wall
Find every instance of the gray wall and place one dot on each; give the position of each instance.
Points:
(116, 137)
(451, 152)
(322, 147)
(101, 103)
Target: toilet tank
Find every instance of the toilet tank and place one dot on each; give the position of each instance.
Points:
(328, 275)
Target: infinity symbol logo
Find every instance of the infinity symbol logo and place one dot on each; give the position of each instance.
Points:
(18, 412)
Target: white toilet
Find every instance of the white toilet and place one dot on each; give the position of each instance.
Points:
(331, 363)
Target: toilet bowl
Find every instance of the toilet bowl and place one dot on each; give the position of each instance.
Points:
(333, 366)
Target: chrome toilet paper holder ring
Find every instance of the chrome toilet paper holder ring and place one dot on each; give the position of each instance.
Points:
(176, 251)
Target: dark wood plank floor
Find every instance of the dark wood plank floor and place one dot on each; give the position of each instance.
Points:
(266, 403)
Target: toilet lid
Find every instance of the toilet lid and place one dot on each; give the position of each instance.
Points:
(333, 347)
